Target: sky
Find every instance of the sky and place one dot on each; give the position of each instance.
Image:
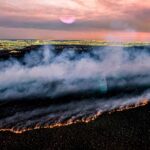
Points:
(123, 20)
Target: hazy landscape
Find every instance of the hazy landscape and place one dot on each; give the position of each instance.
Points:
(74, 75)
(72, 95)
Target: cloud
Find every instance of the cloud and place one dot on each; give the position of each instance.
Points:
(92, 15)
(109, 24)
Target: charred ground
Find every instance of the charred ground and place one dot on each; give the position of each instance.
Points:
(129, 129)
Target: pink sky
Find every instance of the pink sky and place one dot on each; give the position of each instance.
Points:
(93, 19)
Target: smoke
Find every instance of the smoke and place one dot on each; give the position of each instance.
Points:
(47, 73)
(64, 114)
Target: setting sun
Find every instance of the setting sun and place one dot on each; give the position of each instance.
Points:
(67, 19)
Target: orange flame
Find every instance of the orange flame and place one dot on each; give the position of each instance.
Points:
(83, 120)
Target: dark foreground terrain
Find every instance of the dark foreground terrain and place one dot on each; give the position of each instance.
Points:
(124, 130)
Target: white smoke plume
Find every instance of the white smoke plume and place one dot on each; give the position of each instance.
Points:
(47, 74)
(38, 73)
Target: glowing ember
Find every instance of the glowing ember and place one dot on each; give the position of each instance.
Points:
(84, 120)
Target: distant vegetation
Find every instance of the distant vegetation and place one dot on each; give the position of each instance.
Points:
(19, 44)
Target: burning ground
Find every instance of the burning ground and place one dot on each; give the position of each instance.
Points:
(128, 129)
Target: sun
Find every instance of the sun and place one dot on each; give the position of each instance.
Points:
(67, 19)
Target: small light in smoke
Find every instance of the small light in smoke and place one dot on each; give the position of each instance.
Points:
(103, 85)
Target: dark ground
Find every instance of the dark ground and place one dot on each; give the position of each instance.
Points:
(125, 130)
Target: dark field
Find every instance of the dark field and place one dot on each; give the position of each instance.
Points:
(127, 130)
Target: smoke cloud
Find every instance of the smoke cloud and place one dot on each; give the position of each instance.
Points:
(46, 73)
